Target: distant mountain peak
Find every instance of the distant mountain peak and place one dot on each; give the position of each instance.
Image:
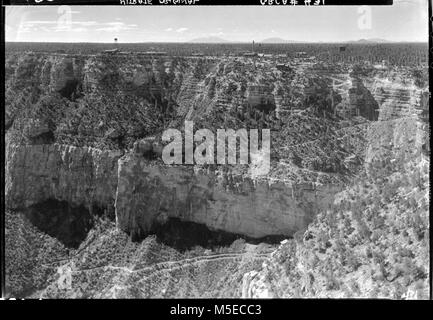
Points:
(276, 40)
(371, 40)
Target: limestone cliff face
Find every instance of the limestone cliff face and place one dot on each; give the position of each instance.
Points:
(149, 194)
(50, 73)
(399, 128)
(145, 195)
(80, 176)
(398, 98)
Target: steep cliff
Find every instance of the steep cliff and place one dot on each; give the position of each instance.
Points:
(80, 176)
(222, 200)
(373, 241)
(143, 194)
(78, 132)
(72, 131)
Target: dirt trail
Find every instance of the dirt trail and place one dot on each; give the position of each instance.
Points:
(166, 265)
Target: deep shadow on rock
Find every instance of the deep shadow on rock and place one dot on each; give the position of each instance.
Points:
(58, 219)
(184, 235)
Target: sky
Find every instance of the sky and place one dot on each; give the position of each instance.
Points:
(406, 20)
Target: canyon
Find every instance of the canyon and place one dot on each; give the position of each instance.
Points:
(140, 192)
(84, 143)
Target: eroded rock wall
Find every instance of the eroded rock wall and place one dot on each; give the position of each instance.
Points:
(146, 194)
(72, 117)
(149, 194)
(80, 176)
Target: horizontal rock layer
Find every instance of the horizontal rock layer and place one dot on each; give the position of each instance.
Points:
(152, 193)
(80, 176)
(145, 194)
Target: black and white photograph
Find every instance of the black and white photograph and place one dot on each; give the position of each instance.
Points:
(172, 149)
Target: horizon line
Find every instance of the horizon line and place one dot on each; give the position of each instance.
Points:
(229, 42)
